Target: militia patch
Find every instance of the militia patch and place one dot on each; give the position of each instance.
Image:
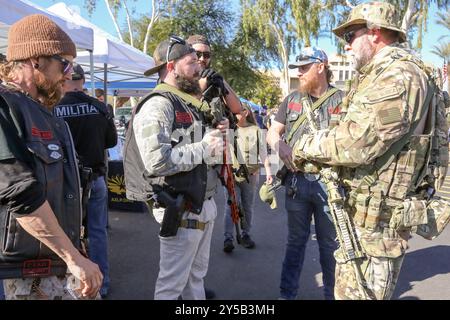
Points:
(183, 117)
(388, 116)
(294, 106)
(34, 268)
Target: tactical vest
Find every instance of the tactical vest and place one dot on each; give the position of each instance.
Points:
(140, 184)
(375, 201)
(295, 110)
(53, 160)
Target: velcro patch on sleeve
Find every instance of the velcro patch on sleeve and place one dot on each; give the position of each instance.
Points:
(388, 116)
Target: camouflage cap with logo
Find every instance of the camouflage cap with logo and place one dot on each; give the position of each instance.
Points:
(373, 14)
(172, 49)
(268, 196)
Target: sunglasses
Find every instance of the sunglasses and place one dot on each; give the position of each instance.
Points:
(204, 54)
(350, 35)
(303, 57)
(66, 64)
(173, 40)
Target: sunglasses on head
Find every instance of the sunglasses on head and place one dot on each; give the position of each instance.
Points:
(303, 57)
(350, 35)
(66, 64)
(173, 40)
(204, 54)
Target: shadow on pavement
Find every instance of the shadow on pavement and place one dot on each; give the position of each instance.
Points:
(415, 268)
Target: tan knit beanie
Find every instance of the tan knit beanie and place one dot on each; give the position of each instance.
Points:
(37, 36)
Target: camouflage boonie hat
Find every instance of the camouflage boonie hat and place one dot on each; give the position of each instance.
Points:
(379, 14)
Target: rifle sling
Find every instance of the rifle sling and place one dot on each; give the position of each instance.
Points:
(316, 105)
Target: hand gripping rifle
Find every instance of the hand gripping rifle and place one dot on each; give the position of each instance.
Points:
(345, 230)
(213, 117)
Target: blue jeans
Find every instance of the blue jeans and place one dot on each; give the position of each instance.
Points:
(2, 291)
(310, 199)
(97, 215)
(245, 193)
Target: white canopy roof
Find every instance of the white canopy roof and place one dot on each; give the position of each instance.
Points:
(14, 10)
(124, 61)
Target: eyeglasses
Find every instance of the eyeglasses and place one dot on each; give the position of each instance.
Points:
(303, 57)
(204, 54)
(66, 64)
(173, 40)
(350, 35)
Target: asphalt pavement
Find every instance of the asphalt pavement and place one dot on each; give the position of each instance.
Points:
(254, 274)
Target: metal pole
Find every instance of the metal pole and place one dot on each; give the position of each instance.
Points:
(105, 80)
(91, 61)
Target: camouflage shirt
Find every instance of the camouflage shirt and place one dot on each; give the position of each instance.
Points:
(379, 114)
(153, 131)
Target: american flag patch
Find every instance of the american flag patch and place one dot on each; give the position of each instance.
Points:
(183, 117)
(388, 116)
(295, 106)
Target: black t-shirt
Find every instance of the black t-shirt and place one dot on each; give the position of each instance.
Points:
(91, 125)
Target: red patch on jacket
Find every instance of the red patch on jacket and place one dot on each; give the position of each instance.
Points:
(183, 117)
(294, 106)
(335, 110)
(47, 135)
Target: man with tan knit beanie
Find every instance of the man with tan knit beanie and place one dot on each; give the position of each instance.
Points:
(39, 184)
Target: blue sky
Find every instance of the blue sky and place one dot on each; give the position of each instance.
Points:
(101, 18)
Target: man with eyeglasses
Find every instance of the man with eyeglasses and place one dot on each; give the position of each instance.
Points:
(306, 195)
(169, 163)
(93, 131)
(40, 211)
(381, 148)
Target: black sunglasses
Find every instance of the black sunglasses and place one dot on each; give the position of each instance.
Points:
(66, 64)
(204, 54)
(350, 35)
(173, 40)
(303, 57)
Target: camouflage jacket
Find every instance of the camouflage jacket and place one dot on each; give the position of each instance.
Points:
(390, 91)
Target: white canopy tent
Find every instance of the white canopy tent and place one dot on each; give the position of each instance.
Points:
(12, 11)
(114, 60)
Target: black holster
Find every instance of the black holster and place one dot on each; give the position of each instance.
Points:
(173, 214)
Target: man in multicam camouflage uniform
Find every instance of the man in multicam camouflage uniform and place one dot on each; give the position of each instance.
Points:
(389, 103)
(161, 145)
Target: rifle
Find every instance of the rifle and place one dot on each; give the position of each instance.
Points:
(213, 117)
(345, 230)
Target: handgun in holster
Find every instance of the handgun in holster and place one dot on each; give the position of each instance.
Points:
(173, 214)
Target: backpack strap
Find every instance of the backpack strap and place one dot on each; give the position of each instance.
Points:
(316, 105)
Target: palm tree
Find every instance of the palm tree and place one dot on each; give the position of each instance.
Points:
(443, 48)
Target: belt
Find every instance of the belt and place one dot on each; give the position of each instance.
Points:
(193, 224)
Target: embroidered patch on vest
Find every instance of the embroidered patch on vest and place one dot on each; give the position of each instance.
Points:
(388, 116)
(334, 110)
(47, 135)
(33, 268)
(183, 117)
(295, 106)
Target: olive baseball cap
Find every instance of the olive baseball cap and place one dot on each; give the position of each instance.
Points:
(172, 49)
(373, 14)
(268, 196)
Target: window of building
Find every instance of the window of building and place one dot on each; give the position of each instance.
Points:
(341, 75)
(346, 75)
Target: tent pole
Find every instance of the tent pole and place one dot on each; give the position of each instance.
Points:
(91, 60)
(105, 81)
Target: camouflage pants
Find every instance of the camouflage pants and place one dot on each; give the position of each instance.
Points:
(380, 273)
(51, 288)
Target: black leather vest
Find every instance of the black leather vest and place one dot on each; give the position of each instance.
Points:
(54, 165)
(139, 183)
